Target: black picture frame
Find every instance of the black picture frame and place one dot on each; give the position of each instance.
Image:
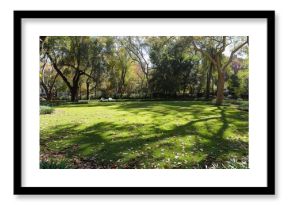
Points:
(268, 190)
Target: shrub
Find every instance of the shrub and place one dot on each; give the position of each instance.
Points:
(46, 110)
(53, 103)
(54, 165)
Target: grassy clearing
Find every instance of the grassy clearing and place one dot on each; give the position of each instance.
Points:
(156, 134)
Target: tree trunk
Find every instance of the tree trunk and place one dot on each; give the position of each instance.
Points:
(48, 92)
(184, 90)
(49, 96)
(75, 87)
(74, 91)
(80, 94)
(120, 90)
(74, 94)
(88, 90)
(220, 88)
(208, 79)
(148, 91)
(212, 85)
(95, 91)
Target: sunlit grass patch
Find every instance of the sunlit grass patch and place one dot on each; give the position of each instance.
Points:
(152, 134)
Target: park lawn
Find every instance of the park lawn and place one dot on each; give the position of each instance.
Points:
(147, 134)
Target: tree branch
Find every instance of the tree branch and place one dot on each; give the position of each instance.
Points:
(233, 53)
(53, 82)
(204, 53)
(59, 71)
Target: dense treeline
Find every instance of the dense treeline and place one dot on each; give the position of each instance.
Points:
(83, 67)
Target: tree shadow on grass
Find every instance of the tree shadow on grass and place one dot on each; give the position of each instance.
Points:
(100, 146)
(220, 150)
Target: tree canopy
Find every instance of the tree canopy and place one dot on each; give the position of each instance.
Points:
(85, 67)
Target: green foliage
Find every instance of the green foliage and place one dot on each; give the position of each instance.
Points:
(46, 110)
(238, 83)
(244, 82)
(173, 67)
(234, 86)
(151, 134)
(125, 66)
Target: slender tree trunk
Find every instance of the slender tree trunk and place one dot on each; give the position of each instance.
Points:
(45, 89)
(122, 82)
(48, 92)
(95, 91)
(148, 91)
(212, 85)
(120, 90)
(88, 90)
(80, 94)
(220, 88)
(183, 92)
(208, 79)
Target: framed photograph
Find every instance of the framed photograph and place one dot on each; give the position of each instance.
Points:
(144, 102)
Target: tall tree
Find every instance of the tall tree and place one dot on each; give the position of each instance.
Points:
(141, 66)
(217, 59)
(48, 77)
(124, 63)
(70, 55)
(96, 63)
(173, 66)
(209, 71)
(138, 50)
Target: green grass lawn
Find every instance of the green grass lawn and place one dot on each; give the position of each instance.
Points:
(152, 134)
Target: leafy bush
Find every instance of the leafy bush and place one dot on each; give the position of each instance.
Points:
(54, 165)
(46, 110)
(52, 103)
(61, 102)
